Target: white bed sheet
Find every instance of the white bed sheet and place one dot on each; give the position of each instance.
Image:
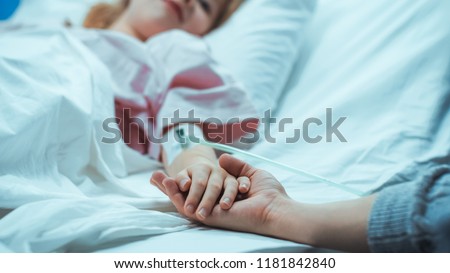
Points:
(203, 239)
(56, 174)
(198, 239)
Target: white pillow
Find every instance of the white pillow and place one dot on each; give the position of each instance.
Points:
(260, 45)
(385, 65)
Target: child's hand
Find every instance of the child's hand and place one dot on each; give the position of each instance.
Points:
(202, 185)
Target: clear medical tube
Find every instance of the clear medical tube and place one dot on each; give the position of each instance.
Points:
(232, 150)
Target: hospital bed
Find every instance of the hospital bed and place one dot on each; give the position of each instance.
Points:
(383, 66)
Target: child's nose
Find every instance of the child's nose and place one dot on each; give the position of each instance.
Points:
(189, 3)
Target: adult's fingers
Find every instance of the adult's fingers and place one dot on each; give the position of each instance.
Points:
(157, 179)
(230, 192)
(184, 181)
(236, 167)
(244, 184)
(175, 195)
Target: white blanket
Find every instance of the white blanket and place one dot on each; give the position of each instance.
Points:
(55, 172)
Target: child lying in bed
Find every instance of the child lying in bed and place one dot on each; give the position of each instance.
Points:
(159, 73)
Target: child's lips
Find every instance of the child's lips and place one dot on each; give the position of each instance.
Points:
(176, 8)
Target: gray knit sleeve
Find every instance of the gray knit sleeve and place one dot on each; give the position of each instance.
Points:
(413, 216)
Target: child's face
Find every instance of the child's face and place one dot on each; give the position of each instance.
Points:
(150, 17)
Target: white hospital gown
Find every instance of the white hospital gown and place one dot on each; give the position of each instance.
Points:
(171, 75)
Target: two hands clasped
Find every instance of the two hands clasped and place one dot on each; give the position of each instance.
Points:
(232, 195)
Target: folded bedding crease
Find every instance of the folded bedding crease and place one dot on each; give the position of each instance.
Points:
(61, 181)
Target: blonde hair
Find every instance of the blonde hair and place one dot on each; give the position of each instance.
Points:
(103, 15)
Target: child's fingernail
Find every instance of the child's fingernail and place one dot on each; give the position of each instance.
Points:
(190, 209)
(244, 186)
(184, 182)
(227, 201)
(202, 213)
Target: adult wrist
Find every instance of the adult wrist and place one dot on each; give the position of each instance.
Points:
(289, 220)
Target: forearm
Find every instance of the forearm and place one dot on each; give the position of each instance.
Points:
(341, 225)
